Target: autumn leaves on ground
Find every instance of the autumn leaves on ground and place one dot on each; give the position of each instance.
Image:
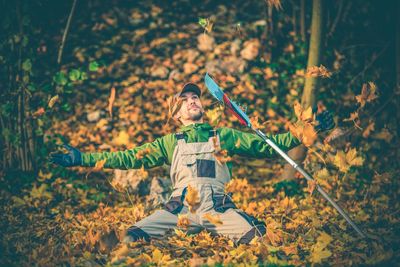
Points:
(130, 61)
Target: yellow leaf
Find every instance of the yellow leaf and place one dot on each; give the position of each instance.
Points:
(53, 100)
(214, 219)
(319, 251)
(340, 161)
(192, 198)
(352, 159)
(318, 255)
(214, 115)
(157, 255)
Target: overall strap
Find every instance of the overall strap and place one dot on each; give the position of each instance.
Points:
(180, 137)
(213, 137)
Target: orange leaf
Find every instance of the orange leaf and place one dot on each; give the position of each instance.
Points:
(309, 135)
(99, 165)
(38, 113)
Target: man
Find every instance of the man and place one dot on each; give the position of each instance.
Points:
(194, 168)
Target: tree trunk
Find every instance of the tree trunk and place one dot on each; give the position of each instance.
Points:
(302, 21)
(298, 154)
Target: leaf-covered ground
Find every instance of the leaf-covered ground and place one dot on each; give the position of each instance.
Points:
(70, 217)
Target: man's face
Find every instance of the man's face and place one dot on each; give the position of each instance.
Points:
(191, 109)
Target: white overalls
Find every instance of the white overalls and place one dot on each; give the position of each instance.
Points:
(194, 164)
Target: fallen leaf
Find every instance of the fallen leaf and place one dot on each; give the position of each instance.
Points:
(183, 221)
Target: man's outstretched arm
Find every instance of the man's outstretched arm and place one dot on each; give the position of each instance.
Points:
(251, 145)
(148, 155)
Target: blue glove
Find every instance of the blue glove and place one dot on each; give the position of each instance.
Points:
(72, 158)
(324, 121)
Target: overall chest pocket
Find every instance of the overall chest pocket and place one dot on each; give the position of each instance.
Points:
(201, 164)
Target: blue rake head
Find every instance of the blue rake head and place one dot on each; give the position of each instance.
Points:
(217, 92)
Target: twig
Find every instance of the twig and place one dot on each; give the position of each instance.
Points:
(335, 22)
(60, 51)
(368, 65)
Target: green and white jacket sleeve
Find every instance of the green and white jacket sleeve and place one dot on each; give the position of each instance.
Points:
(155, 156)
(251, 145)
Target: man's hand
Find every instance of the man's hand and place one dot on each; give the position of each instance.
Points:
(324, 121)
(72, 158)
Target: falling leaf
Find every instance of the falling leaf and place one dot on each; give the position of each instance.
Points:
(302, 114)
(99, 165)
(111, 100)
(255, 122)
(214, 219)
(237, 144)
(53, 100)
(214, 115)
(275, 3)
(336, 133)
(38, 113)
(142, 153)
(368, 93)
(221, 155)
(368, 129)
(192, 198)
(316, 71)
(353, 117)
(122, 139)
(251, 49)
(174, 105)
(309, 135)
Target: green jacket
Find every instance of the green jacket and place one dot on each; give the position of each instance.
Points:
(234, 141)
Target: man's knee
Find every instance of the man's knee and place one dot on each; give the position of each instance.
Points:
(134, 233)
(257, 231)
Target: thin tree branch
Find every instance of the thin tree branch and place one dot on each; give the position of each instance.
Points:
(60, 51)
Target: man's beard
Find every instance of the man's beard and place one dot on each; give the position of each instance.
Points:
(196, 116)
